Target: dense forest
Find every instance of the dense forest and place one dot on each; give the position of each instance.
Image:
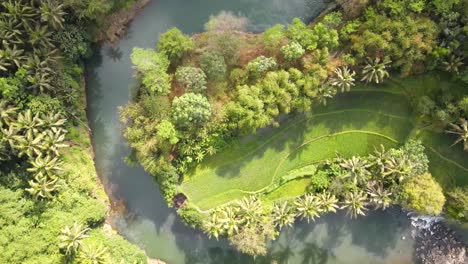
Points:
(52, 205)
(198, 95)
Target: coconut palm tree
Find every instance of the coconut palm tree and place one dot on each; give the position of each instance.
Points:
(375, 71)
(356, 169)
(29, 145)
(250, 210)
(229, 220)
(93, 253)
(453, 64)
(343, 79)
(325, 92)
(54, 139)
(378, 158)
(28, 123)
(460, 129)
(12, 55)
(283, 215)
(398, 167)
(40, 36)
(7, 113)
(47, 166)
(71, 238)
(52, 13)
(214, 227)
(308, 206)
(10, 31)
(53, 120)
(355, 203)
(10, 136)
(21, 12)
(41, 187)
(40, 80)
(379, 197)
(328, 202)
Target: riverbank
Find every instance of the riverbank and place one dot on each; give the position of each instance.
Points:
(116, 23)
(436, 243)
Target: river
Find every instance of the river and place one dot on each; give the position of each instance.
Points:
(381, 237)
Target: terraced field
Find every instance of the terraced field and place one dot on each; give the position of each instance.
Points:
(352, 124)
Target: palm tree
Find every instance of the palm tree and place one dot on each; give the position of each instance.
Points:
(308, 207)
(378, 158)
(214, 227)
(356, 203)
(375, 71)
(20, 12)
(40, 36)
(29, 145)
(10, 135)
(54, 140)
(250, 210)
(12, 55)
(28, 123)
(47, 166)
(379, 197)
(52, 13)
(53, 120)
(71, 238)
(7, 113)
(283, 215)
(398, 166)
(42, 187)
(10, 31)
(328, 202)
(460, 129)
(41, 80)
(229, 220)
(343, 79)
(325, 92)
(453, 64)
(356, 169)
(93, 253)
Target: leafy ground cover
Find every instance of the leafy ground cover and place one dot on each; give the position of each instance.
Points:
(351, 124)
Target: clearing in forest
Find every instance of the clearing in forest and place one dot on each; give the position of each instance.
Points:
(352, 124)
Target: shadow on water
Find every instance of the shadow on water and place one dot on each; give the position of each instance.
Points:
(148, 222)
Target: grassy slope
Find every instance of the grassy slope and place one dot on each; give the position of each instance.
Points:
(368, 115)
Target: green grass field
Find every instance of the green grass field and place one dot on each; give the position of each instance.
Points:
(352, 124)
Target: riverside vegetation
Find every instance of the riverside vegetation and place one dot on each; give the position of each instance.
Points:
(257, 130)
(347, 137)
(52, 208)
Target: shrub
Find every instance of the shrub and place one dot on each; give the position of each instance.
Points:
(238, 77)
(191, 217)
(226, 21)
(333, 19)
(191, 109)
(153, 68)
(302, 34)
(457, 204)
(292, 51)
(319, 182)
(273, 36)
(213, 64)
(74, 41)
(44, 104)
(423, 195)
(228, 45)
(175, 44)
(260, 65)
(192, 78)
(166, 130)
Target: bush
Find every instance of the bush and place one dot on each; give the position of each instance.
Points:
(238, 77)
(226, 21)
(423, 195)
(153, 68)
(302, 34)
(319, 182)
(292, 51)
(191, 109)
(44, 104)
(192, 78)
(191, 217)
(273, 36)
(457, 204)
(175, 44)
(213, 64)
(260, 65)
(166, 130)
(333, 19)
(74, 41)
